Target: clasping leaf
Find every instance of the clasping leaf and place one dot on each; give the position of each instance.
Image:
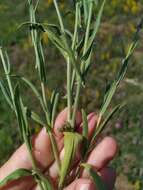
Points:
(71, 143)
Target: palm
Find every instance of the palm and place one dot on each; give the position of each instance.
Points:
(98, 158)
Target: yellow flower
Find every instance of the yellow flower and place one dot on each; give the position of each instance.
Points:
(45, 38)
(137, 185)
(132, 27)
(105, 56)
(135, 8)
(3, 8)
(48, 2)
(131, 6)
(62, 5)
(126, 8)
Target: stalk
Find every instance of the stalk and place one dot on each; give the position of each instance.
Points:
(79, 83)
(34, 37)
(69, 93)
(48, 129)
(33, 162)
(87, 32)
(75, 36)
(76, 103)
(45, 102)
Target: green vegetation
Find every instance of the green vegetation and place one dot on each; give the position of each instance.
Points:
(119, 23)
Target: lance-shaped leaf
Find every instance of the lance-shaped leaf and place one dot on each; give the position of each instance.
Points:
(85, 124)
(111, 90)
(34, 90)
(96, 26)
(86, 10)
(15, 175)
(85, 142)
(102, 125)
(99, 183)
(65, 49)
(36, 40)
(6, 93)
(54, 108)
(22, 117)
(71, 144)
(7, 70)
(34, 116)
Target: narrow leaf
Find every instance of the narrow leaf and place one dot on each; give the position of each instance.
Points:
(6, 93)
(71, 143)
(85, 124)
(35, 117)
(99, 183)
(100, 128)
(54, 108)
(85, 141)
(96, 25)
(15, 175)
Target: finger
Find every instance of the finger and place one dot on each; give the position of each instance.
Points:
(107, 174)
(103, 153)
(41, 150)
(109, 177)
(92, 120)
(81, 184)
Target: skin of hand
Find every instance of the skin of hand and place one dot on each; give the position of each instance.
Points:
(99, 158)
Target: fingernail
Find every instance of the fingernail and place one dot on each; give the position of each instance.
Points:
(84, 187)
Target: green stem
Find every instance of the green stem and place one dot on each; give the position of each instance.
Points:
(87, 32)
(45, 103)
(75, 27)
(33, 161)
(55, 150)
(75, 36)
(67, 47)
(69, 93)
(78, 89)
(88, 27)
(48, 129)
(59, 16)
(79, 84)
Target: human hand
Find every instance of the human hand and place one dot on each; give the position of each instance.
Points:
(99, 158)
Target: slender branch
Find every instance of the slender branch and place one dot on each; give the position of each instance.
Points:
(48, 129)
(69, 93)
(79, 84)
(59, 16)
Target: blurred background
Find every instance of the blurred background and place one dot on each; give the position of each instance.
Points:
(119, 23)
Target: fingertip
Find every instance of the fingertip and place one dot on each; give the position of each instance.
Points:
(112, 146)
(102, 154)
